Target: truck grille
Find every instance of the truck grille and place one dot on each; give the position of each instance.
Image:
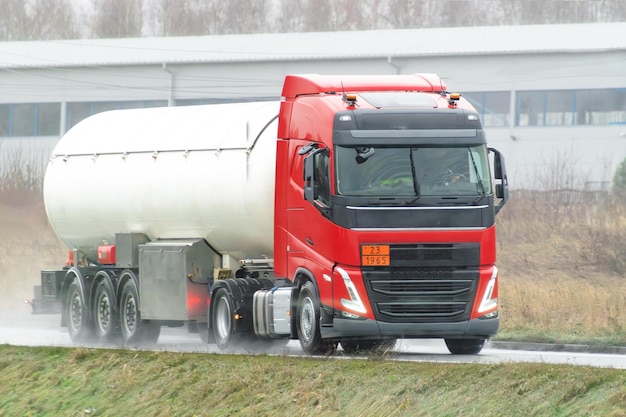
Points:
(423, 310)
(422, 287)
(424, 283)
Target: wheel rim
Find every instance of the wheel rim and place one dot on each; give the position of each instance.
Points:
(103, 314)
(76, 311)
(222, 319)
(130, 315)
(307, 319)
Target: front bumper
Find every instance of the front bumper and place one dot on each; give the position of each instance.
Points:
(372, 329)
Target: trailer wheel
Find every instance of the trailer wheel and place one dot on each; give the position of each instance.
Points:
(368, 346)
(77, 314)
(465, 346)
(222, 320)
(105, 314)
(308, 323)
(134, 330)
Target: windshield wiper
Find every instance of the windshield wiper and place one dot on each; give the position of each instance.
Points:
(392, 201)
(479, 181)
(416, 184)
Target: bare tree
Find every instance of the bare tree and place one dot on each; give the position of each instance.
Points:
(292, 16)
(53, 19)
(117, 18)
(15, 23)
(402, 14)
(179, 17)
(240, 16)
(57, 19)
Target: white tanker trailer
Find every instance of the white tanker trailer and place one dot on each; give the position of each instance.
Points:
(202, 172)
(308, 218)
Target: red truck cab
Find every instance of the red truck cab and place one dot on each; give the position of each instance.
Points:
(385, 213)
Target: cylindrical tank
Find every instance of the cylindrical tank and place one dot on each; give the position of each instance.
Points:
(175, 172)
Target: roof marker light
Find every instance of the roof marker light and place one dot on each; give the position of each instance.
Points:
(452, 99)
(345, 118)
(350, 99)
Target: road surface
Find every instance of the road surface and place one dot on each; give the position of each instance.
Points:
(19, 327)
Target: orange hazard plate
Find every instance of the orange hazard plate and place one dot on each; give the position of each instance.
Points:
(375, 255)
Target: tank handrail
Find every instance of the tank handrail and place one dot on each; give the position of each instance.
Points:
(249, 149)
(151, 152)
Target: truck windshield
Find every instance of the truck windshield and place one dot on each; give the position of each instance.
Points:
(412, 171)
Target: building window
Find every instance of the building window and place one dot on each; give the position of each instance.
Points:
(79, 111)
(141, 104)
(571, 107)
(559, 108)
(201, 101)
(595, 107)
(494, 107)
(43, 119)
(49, 119)
(24, 121)
(5, 119)
(530, 108)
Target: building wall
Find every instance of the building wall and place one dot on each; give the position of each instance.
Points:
(533, 152)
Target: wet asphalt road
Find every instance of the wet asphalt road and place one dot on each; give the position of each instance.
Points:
(19, 327)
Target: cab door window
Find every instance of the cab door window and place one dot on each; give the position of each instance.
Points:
(317, 178)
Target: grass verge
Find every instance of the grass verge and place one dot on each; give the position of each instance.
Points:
(86, 382)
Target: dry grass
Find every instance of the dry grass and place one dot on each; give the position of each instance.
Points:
(27, 245)
(563, 268)
(27, 242)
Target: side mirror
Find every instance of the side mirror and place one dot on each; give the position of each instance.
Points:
(499, 191)
(502, 188)
(363, 154)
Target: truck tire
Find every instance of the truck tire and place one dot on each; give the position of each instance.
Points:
(308, 323)
(465, 346)
(222, 320)
(106, 322)
(368, 346)
(135, 331)
(77, 314)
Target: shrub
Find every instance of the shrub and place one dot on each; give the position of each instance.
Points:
(21, 175)
(619, 181)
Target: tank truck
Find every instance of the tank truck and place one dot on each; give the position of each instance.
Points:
(356, 211)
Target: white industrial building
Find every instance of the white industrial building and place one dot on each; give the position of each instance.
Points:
(552, 97)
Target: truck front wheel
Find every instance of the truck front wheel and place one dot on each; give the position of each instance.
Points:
(77, 314)
(465, 346)
(308, 323)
